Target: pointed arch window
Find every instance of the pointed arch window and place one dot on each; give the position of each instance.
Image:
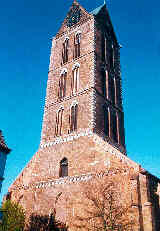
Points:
(63, 171)
(77, 40)
(59, 118)
(104, 48)
(103, 74)
(73, 117)
(118, 92)
(112, 89)
(62, 84)
(75, 78)
(106, 120)
(112, 56)
(114, 127)
(121, 129)
(65, 51)
(105, 82)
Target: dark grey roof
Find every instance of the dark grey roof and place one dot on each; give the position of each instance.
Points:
(97, 10)
(3, 146)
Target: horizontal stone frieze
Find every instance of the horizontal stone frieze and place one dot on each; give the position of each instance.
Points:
(67, 138)
(68, 180)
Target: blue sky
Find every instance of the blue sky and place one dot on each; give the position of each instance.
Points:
(26, 29)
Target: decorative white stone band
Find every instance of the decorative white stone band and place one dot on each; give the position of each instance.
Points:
(84, 91)
(69, 180)
(98, 140)
(72, 137)
(112, 150)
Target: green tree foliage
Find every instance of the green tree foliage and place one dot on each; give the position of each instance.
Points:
(13, 217)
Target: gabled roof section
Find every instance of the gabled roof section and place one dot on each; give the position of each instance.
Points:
(3, 146)
(103, 20)
(97, 10)
(76, 15)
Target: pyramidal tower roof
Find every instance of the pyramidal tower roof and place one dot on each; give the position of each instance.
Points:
(97, 10)
(3, 147)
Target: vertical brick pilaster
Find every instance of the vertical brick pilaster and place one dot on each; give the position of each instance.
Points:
(135, 204)
(146, 204)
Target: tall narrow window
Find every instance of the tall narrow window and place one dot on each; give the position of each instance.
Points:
(104, 48)
(106, 55)
(106, 120)
(77, 40)
(62, 84)
(114, 127)
(111, 57)
(121, 128)
(103, 74)
(73, 117)
(75, 78)
(58, 127)
(118, 92)
(65, 51)
(63, 171)
(112, 89)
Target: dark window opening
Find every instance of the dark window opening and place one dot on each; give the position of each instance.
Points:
(65, 51)
(103, 47)
(118, 92)
(75, 80)
(73, 118)
(112, 89)
(111, 57)
(121, 128)
(58, 127)
(106, 121)
(77, 40)
(106, 52)
(114, 127)
(62, 86)
(63, 171)
(103, 74)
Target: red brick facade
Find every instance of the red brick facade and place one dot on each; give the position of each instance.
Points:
(83, 128)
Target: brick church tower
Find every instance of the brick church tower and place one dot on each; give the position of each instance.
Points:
(84, 90)
(84, 82)
(83, 124)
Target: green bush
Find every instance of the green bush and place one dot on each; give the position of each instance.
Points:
(13, 217)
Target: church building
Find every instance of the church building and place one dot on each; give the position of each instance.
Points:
(83, 125)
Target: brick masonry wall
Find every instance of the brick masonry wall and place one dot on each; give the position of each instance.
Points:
(88, 150)
(86, 72)
(39, 196)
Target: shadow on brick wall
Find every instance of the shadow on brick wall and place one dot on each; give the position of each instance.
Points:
(45, 223)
